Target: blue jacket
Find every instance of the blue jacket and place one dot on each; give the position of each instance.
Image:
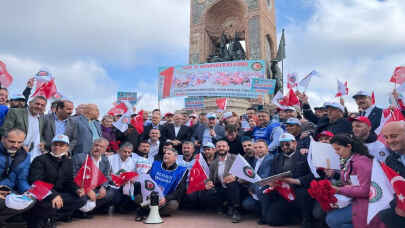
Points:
(271, 133)
(263, 171)
(17, 179)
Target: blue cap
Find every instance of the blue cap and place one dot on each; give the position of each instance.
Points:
(211, 115)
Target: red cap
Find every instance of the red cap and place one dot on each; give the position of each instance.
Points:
(362, 119)
(169, 114)
(326, 133)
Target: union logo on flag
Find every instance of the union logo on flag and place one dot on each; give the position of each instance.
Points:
(257, 66)
(249, 172)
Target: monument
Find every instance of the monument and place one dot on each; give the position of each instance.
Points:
(229, 30)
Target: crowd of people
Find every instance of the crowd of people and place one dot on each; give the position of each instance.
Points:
(52, 147)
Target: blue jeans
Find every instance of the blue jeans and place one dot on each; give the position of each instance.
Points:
(340, 218)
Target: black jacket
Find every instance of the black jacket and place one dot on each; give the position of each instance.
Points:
(300, 171)
(58, 172)
(235, 147)
(394, 163)
(340, 126)
(168, 133)
(375, 117)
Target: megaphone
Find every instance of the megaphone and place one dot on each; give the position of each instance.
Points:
(154, 217)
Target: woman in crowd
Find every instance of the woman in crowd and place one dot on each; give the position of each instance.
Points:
(109, 132)
(355, 177)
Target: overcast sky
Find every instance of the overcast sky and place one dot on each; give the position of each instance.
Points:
(95, 47)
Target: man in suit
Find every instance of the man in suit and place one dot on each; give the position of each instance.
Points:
(223, 183)
(176, 133)
(83, 129)
(368, 109)
(55, 123)
(273, 204)
(102, 195)
(262, 167)
(155, 124)
(208, 133)
(30, 121)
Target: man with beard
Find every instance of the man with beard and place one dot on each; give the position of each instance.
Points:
(293, 126)
(102, 195)
(363, 132)
(273, 204)
(171, 178)
(30, 120)
(225, 184)
(142, 160)
(122, 162)
(17, 101)
(250, 156)
(55, 123)
(368, 109)
(210, 132)
(176, 133)
(262, 167)
(14, 168)
(270, 132)
(187, 158)
(233, 139)
(394, 134)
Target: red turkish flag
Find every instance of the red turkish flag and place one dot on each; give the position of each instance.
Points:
(123, 178)
(372, 98)
(398, 183)
(283, 189)
(221, 103)
(137, 122)
(343, 89)
(399, 75)
(292, 80)
(89, 176)
(291, 99)
(5, 78)
(47, 89)
(40, 189)
(197, 176)
(118, 109)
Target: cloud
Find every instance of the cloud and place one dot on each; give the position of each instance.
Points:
(79, 81)
(361, 41)
(119, 32)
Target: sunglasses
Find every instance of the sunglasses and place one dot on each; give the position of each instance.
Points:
(286, 144)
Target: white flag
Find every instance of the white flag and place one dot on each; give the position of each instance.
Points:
(322, 155)
(148, 185)
(304, 83)
(122, 123)
(241, 168)
(381, 191)
(342, 89)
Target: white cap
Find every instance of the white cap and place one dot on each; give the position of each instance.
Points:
(334, 105)
(61, 138)
(286, 137)
(18, 202)
(227, 115)
(209, 145)
(17, 97)
(361, 93)
(293, 121)
(290, 108)
(193, 115)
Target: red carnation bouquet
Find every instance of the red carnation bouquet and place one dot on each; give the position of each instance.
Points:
(323, 192)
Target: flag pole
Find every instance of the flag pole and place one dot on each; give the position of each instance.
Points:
(84, 171)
